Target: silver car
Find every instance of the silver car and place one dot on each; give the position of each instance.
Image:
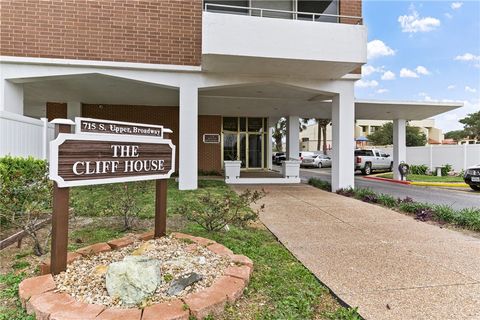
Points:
(306, 158)
(322, 161)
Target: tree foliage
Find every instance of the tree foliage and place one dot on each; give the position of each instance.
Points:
(471, 125)
(25, 195)
(456, 135)
(384, 136)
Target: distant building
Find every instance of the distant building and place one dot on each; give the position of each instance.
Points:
(309, 136)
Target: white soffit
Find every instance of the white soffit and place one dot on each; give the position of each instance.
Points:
(409, 110)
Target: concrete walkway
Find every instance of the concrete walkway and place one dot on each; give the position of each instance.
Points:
(388, 264)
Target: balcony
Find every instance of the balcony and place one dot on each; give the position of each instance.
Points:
(278, 42)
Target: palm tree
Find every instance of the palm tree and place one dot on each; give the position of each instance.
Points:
(322, 132)
(280, 131)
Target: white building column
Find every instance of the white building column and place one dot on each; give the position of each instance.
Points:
(74, 109)
(188, 138)
(399, 145)
(11, 97)
(293, 137)
(343, 136)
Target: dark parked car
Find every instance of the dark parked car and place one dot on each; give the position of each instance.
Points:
(472, 177)
(279, 157)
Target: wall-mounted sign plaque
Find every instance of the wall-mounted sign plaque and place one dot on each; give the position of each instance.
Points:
(96, 126)
(211, 138)
(78, 160)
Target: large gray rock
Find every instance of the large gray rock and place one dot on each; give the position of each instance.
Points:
(134, 279)
(179, 284)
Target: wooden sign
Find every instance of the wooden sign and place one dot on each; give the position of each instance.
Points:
(103, 151)
(211, 138)
(79, 160)
(97, 126)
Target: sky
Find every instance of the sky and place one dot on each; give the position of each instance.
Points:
(423, 50)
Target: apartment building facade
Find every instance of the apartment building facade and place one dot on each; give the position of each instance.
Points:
(205, 69)
(363, 128)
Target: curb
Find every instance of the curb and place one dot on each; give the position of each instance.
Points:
(421, 183)
(440, 184)
(387, 180)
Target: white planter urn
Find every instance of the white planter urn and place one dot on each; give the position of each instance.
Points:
(291, 169)
(232, 170)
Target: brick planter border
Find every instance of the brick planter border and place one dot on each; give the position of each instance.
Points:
(38, 296)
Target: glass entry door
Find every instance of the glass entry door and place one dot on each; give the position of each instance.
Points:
(255, 151)
(245, 139)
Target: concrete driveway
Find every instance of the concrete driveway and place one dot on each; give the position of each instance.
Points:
(457, 199)
(388, 264)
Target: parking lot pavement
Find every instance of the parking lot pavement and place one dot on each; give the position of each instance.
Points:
(458, 199)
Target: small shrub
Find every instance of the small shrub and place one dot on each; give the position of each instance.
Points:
(124, 200)
(445, 213)
(24, 186)
(347, 192)
(387, 200)
(413, 207)
(321, 184)
(469, 217)
(214, 212)
(424, 214)
(418, 169)
(25, 195)
(446, 168)
(366, 194)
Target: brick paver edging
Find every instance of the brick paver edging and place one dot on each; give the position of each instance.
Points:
(38, 294)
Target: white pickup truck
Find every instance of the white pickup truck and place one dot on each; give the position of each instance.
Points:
(370, 160)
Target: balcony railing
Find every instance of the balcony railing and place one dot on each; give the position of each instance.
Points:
(292, 15)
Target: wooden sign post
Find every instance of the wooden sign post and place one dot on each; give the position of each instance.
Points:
(102, 152)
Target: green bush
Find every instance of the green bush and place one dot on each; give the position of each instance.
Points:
(418, 169)
(320, 184)
(446, 168)
(469, 217)
(445, 213)
(366, 194)
(387, 200)
(214, 213)
(413, 207)
(24, 187)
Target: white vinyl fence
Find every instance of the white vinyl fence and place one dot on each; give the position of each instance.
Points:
(24, 136)
(459, 157)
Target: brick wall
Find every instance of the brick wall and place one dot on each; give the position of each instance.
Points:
(154, 31)
(56, 110)
(209, 155)
(350, 8)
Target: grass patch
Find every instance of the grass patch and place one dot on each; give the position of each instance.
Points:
(286, 289)
(96, 201)
(9, 292)
(320, 184)
(425, 178)
(90, 235)
(280, 287)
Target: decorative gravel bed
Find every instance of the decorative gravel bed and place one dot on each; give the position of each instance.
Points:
(84, 278)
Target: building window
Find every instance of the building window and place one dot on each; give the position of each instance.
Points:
(318, 6)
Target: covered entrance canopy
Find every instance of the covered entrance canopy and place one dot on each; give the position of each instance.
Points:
(215, 97)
